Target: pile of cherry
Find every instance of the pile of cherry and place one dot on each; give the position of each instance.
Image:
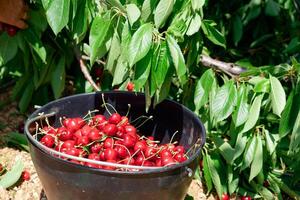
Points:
(112, 140)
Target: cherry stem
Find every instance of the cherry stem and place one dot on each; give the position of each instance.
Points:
(129, 106)
(89, 114)
(151, 117)
(104, 104)
(173, 137)
(192, 147)
(126, 150)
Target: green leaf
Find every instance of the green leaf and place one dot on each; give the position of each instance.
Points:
(270, 142)
(197, 4)
(240, 115)
(207, 174)
(237, 29)
(80, 22)
(12, 176)
(195, 25)
(224, 101)
(202, 89)
(225, 149)
(240, 144)
(114, 53)
(26, 97)
(253, 114)
(163, 91)
(147, 9)
(263, 191)
(257, 163)
(58, 78)
(295, 137)
(35, 43)
(121, 71)
(249, 153)
(162, 12)
(233, 179)
(142, 71)
(99, 30)
(278, 98)
(272, 8)
(9, 48)
(133, 13)
(215, 176)
(263, 86)
(57, 13)
(140, 44)
(17, 140)
(212, 33)
(177, 58)
(289, 114)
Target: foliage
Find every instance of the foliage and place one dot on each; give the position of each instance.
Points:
(252, 120)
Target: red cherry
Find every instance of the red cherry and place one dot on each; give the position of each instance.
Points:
(124, 121)
(68, 144)
(168, 161)
(121, 150)
(94, 134)
(49, 130)
(139, 160)
(48, 141)
(109, 167)
(115, 118)
(128, 161)
(180, 157)
(94, 156)
(73, 151)
(64, 134)
(110, 129)
(225, 196)
(11, 30)
(25, 175)
(245, 198)
(158, 163)
(129, 141)
(110, 154)
(98, 71)
(165, 153)
(83, 141)
(99, 121)
(140, 146)
(150, 152)
(96, 147)
(130, 129)
(109, 143)
(85, 130)
(130, 86)
(179, 149)
(148, 163)
(121, 132)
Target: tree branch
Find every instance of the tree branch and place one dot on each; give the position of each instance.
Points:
(85, 71)
(228, 68)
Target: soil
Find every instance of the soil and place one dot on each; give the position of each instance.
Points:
(10, 119)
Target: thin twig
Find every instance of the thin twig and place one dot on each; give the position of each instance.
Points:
(85, 71)
(228, 68)
(84, 57)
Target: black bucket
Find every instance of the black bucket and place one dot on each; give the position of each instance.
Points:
(63, 180)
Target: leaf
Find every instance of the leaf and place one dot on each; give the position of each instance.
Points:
(263, 191)
(80, 22)
(140, 44)
(133, 13)
(249, 153)
(177, 58)
(57, 13)
(215, 176)
(240, 144)
(195, 25)
(99, 30)
(114, 53)
(35, 43)
(9, 48)
(163, 91)
(12, 176)
(257, 163)
(253, 114)
(240, 115)
(263, 86)
(162, 12)
(26, 97)
(17, 140)
(212, 33)
(289, 114)
(197, 4)
(233, 179)
(272, 8)
(142, 71)
(295, 137)
(147, 9)
(270, 142)
(121, 71)
(225, 149)
(207, 174)
(237, 29)
(58, 78)
(202, 89)
(224, 101)
(278, 98)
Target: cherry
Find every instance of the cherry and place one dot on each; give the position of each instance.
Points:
(128, 161)
(115, 118)
(148, 163)
(73, 151)
(83, 141)
(109, 143)
(102, 156)
(121, 132)
(1, 168)
(129, 129)
(21, 125)
(64, 134)
(140, 146)
(168, 161)
(139, 160)
(130, 86)
(25, 175)
(110, 154)
(99, 121)
(49, 130)
(11, 30)
(121, 150)
(245, 198)
(94, 134)
(165, 153)
(94, 156)
(96, 148)
(68, 144)
(179, 149)
(124, 121)
(48, 141)
(180, 157)
(110, 129)
(129, 141)
(150, 152)
(85, 130)
(158, 163)
(110, 167)
(266, 183)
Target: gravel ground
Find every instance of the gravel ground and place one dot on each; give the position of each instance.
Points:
(10, 118)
